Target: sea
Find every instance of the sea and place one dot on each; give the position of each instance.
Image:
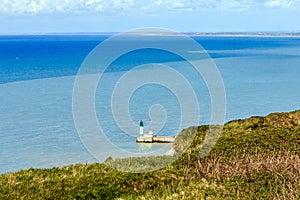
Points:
(38, 74)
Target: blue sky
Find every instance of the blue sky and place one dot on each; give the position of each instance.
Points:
(42, 16)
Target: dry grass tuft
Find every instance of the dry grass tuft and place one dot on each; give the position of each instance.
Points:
(228, 167)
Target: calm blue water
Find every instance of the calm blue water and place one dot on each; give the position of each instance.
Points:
(37, 73)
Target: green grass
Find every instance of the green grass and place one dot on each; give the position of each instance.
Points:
(255, 158)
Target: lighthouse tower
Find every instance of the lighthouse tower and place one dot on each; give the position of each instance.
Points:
(141, 128)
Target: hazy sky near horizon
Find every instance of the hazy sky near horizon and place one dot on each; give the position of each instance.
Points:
(41, 16)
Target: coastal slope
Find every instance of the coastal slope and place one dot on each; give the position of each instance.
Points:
(254, 158)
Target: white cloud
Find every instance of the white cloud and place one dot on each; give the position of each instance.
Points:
(178, 5)
(279, 3)
(235, 5)
(157, 2)
(291, 4)
(50, 6)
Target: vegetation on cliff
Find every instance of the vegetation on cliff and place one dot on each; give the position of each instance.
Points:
(255, 158)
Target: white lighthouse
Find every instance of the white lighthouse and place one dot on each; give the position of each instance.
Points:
(141, 128)
(150, 138)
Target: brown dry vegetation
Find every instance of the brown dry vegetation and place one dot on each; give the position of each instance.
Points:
(225, 167)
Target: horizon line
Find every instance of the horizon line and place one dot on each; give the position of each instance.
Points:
(192, 33)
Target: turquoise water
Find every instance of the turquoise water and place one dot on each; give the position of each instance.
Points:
(37, 74)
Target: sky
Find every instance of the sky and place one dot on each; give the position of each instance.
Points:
(50, 16)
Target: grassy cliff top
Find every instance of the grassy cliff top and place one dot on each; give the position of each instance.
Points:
(255, 158)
